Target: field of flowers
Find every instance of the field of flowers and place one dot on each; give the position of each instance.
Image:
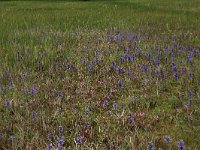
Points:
(117, 75)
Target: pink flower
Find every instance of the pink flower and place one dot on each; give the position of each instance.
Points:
(156, 117)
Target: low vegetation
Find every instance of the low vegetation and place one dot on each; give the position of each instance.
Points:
(100, 75)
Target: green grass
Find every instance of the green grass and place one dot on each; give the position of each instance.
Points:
(139, 16)
(39, 38)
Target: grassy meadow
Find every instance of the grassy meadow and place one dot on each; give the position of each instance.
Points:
(97, 75)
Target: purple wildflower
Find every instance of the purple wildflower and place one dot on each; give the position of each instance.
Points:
(129, 58)
(55, 63)
(2, 90)
(11, 82)
(33, 91)
(167, 139)
(33, 114)
(128, 72)
(74, 68)
(149, 56)
(52, 92)
(172, 65)
(181, 145)
(175, 69)
(50, 136)
(96, 52)
(59, 93)
(115, 105)
(190, 76)
(74, 110)
(87, 111)
(176, 75)
(8, 104)
(150, 146)
(122, 59)
(120, 85)
(165, 76)
(190, 94)
(96, 60)
(1, 136)
(190, 102)
(130, 37)
(130, 119)
(166, 60)
(88, 124)
(26, 89)
(190, 98)
(113, 66)
(120, 70)
(68, 66)
(11, 138)
(60, 143)
(79, 140)
(105, 103)
(50, 147)
(144, 68)
(60, 130)
(91, 66)
(134, 99)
